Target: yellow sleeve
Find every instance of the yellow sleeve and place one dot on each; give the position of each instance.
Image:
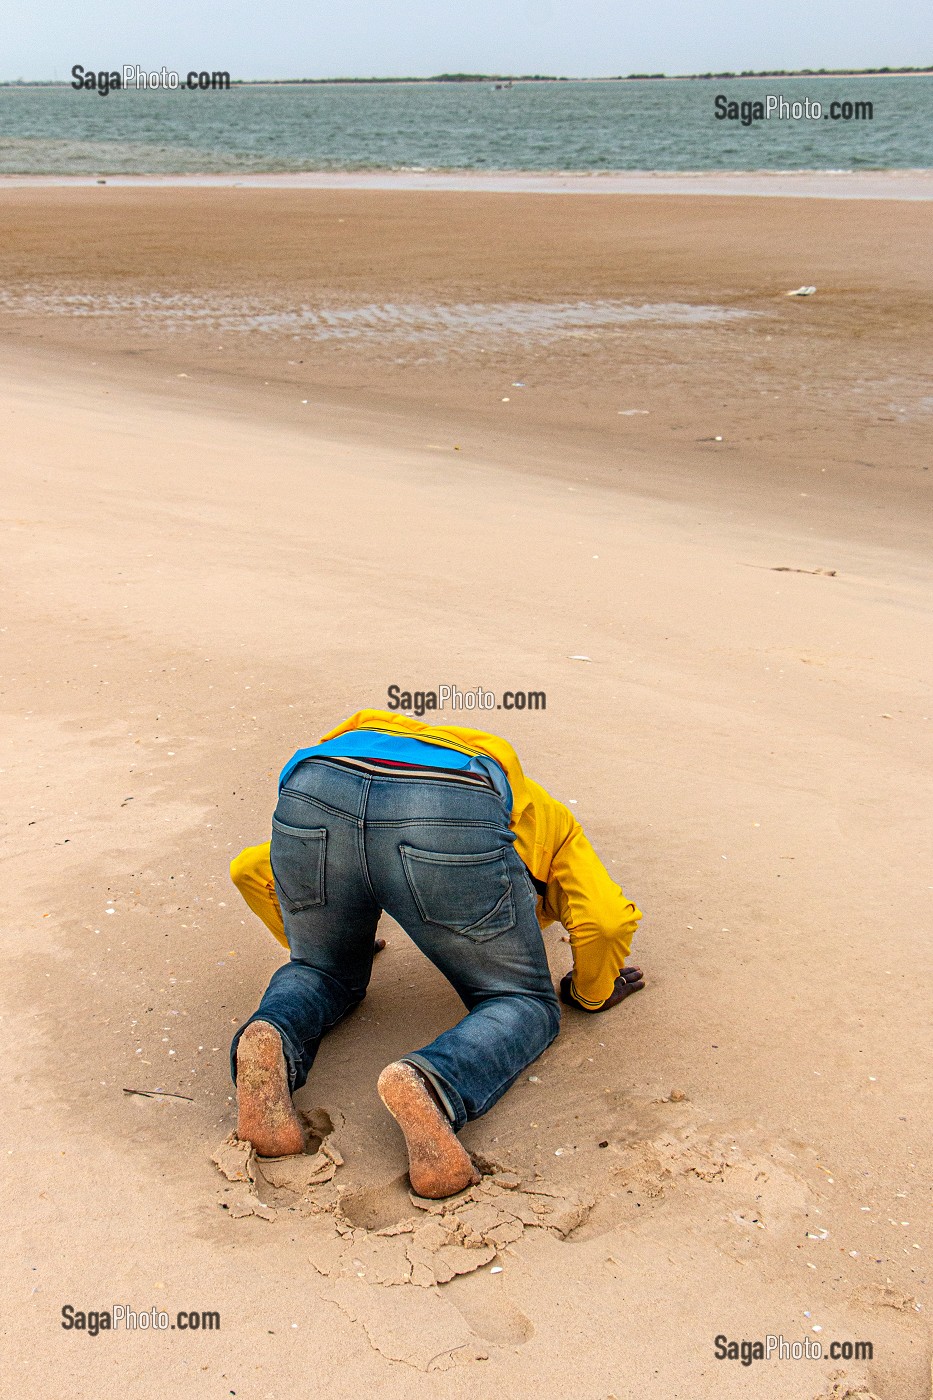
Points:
(601, 921)
(251, 872)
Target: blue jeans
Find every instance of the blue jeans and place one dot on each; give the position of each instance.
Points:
(438, 856)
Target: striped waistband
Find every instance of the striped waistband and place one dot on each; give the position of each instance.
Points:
(376, 768)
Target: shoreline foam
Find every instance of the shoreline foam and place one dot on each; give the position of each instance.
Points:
(794, 184)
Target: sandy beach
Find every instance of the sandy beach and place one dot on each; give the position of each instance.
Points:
(269, 451)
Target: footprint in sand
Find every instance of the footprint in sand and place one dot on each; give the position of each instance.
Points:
(485, 1306)
(377, 1207)
(274, 1183)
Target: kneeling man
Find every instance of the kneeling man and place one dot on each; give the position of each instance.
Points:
(439, 826)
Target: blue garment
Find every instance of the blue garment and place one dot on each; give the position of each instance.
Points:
(438, 857)
(399, 748)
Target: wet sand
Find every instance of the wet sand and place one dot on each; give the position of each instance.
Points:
(201, 571)
(431, 308)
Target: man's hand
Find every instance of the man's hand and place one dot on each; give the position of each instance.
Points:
(629, 980)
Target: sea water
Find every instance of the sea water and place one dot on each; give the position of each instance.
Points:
(587, 126)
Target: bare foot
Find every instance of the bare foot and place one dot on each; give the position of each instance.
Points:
(266, 1115)
(438, 1165)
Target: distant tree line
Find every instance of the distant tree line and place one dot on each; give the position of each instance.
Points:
(799, 73)
(613, 78)
(436, 78)
(536, 77)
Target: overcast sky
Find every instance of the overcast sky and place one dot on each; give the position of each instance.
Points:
(391, 38)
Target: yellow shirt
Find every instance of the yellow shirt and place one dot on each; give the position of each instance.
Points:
(581, 893)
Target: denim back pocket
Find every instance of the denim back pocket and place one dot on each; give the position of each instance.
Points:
(469, 894)
(298, 858)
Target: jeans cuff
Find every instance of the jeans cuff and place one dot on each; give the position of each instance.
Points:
(293, 1060)
(450, 1099)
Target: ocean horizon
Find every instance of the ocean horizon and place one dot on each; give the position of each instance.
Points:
(864, 123)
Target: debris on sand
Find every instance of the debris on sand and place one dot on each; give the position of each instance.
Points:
(240, 1209)
(437, 1242)
(300, 1172)
(859, 1393)
(158, 1094)
(801, 292)
(790, 569)
(454, 1236)
(238, 1161)
(787, 569)
(234, 1159)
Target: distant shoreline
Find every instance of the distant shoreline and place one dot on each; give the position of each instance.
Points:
(899, 184)
(453, 79)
